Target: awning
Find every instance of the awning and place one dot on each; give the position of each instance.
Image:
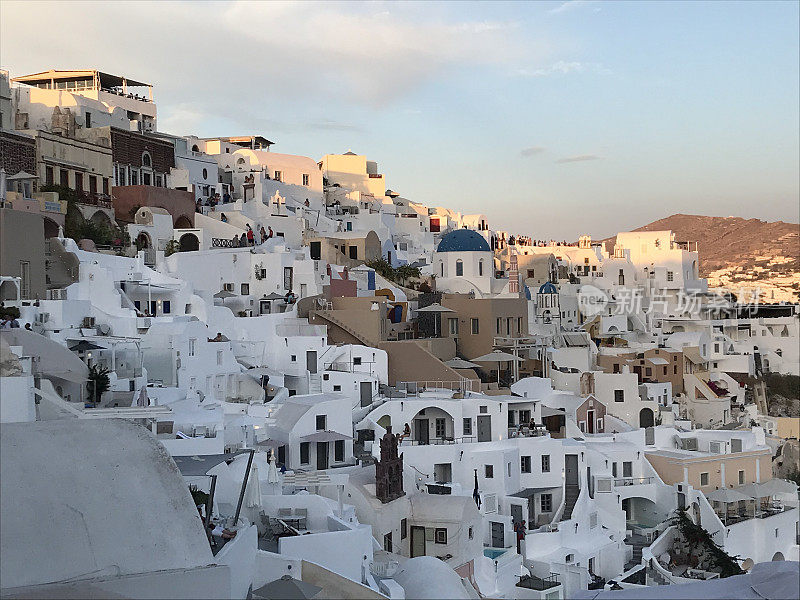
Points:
(528, 492)
(575, 340)
(552, 412)
(325, 436)
(727, 496)
(656, 360)
(200, 465)
(305, 479)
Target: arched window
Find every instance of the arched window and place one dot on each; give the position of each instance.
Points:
(459, 268)
(205, 173)
(146, 160)
(195, 148)
(480, 268)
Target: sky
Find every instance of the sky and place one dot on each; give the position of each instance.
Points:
(554, 119)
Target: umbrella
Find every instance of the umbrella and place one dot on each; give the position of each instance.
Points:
(727, 496)
(460, 363)
(435, 308)
(497, 356)
(224, 294)
(287, 587)
(253, 491)
(769, 488)
(273, 296)
(143, 400)
(272, 474)
(475, 493)
(83, 346)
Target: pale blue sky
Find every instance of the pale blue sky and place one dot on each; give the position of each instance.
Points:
(552, 118)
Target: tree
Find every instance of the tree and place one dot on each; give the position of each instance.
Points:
(406, 272)
(98, 384)
(171, 248)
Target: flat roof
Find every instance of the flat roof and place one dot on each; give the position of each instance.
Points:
(106, 79)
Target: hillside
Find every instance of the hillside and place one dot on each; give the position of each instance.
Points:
(740, 253)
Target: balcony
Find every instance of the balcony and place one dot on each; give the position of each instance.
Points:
(532, 582)
(92, 199)
(626, 481)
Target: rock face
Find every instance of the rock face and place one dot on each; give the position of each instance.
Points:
(746, 254)
(9, 362)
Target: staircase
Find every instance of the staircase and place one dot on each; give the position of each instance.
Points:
(571, 493)
(314, 383)
(331, 318)
(638, 542)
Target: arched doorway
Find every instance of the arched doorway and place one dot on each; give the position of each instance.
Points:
(101, 218)
(189, 243)
(50, 228)
(777, 557)
(143, 241)
(646, 418)
(183, 222)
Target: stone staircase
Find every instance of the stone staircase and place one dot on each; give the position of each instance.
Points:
(314, 383)
(571, 493)
(638, 542)
(331, 318)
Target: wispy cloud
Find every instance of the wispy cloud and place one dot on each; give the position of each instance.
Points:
(532, 151)
(572, 5)
(579, 158)
(565, 68)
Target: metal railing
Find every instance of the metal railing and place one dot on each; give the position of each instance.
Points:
(415, 388)
(625, 481)
(466, 439)
(532, 582)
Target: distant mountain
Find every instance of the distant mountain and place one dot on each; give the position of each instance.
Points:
(742, 253)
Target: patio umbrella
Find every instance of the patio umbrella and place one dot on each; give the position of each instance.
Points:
(272, 474)
(223, 294)
(289, 588)
(253, 492)
(435, 308)
(497, 356)
(776, 486)
(727, 496)
(460, 363)
(84, 346)
(143, 400)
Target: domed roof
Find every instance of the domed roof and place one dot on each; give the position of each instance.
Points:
(548, 288)
(463, 240)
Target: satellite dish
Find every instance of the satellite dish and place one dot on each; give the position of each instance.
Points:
(104, 329)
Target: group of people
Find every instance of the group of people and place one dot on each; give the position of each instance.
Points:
(248, 237)
(212, 201)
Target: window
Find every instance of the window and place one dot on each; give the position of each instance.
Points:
(619, 395)
(48, 175)
(148, 162)
(453, 326)
(488, 471)
(483, 409)
(278, 176)
(105, 185)
(403, 529)
(93, 184)
(64, 177)
(134, 177)
(613, 469)
(337, 388)
(441, 428)
(499, 325)
(471, 533)
(616, 369)
(245, 289)
(219, 357)
(627, 469)
(648, 371)
(304, 446)
(459, 268)
(293, 357)
(703, 479)
(387, 542)
(741, 477)
(480, 268)
(511, 418)
(305, 178)
(166, 307)
(356, 360)
(475, 326)
(467, 426)
(545, 463)
(441, 268)
(440, 535)
(670, 276)
(25, 279)
(88, 119)
(205, 173)
(525, 464)
(322, 421)
(192, 343)
(546, 502)
(674, 369)
(338, 451)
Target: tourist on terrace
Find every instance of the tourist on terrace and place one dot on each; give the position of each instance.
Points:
(263, 233)
(223, 218)
(250, 236)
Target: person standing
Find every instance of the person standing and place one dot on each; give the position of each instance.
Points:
(269, 233)
(263, 233)
(250, 236)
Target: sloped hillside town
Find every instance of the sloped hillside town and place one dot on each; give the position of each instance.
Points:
(230, 372)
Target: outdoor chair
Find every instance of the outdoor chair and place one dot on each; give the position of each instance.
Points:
(284, 513)
(301, 514)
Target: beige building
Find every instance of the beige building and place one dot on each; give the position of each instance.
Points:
(81, 165)
(655, 365)
(22, 253)
(707, 472)
(354, 172)
(347, 248)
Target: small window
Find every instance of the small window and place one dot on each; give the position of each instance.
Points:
(546, 502)
(741, 477)
(304, 447)
(166, 307)
(192, 343)
(322, 421)
(88, 119)
(356, 360)
(525, 464)
(471, 533)
(440, 537)
(619, 395)
(219, 357)
(670, 276)
(467, 426)
(403, 529)
(48, 175)
(569, 558)
(488, 471)
(105, 185)
(245, 289)
(337, 388)
(648, 371)
(293, 357)
(499, 325)
(703, 479)
(325, 377)
(387, 542)
(305, 179)
(205, 173)
(480, 268)
(441, 428)
(483, 410)
(545, 463)
(459, 268)
(452, 325)
(278, 176)
(475, 326)
(148, 162)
